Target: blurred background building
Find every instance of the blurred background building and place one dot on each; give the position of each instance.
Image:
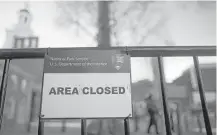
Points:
(24, 78)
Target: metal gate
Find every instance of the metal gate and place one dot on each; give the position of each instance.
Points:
(159, 52)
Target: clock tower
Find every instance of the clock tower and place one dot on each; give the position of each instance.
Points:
(21, 36)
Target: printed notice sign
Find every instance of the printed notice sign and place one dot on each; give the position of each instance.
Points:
(86, 84)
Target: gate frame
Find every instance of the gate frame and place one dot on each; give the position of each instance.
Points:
(150, 51)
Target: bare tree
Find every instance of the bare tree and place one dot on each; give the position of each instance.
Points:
(80, 17)
(110, 25)
(114, 23)
(135, 20)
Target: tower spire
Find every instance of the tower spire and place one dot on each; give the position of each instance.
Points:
(24, 15)
(26, 5)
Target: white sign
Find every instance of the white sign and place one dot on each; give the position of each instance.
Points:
(86, 84)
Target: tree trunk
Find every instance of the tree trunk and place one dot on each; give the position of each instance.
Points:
(103, 39)
(103, 23)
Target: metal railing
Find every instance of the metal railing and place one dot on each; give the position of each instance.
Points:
(155, 51)
(159, 52)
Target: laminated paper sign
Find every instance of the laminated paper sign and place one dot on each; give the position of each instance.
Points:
(86, 84)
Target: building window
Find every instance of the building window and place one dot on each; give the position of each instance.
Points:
(23, 85)
(18, 44)
(14, 79)
(210, 97)
(26, 42)
(33, 43)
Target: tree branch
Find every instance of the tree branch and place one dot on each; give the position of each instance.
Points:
(71, 20)
(70, 16)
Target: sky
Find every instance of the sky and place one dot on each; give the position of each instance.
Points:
(186, 29)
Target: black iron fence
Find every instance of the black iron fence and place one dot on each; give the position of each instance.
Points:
(160, 52)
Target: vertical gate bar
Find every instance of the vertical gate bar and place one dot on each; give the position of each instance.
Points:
(63, 128)
(126, 126)
(3, 89)
(83, 127)
(202, 96)
(40, 127)
(2, 83)
(162, 83)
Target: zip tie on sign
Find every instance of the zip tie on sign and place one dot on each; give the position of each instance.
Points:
(127, 117)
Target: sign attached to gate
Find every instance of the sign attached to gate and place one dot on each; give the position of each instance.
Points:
(86, 84)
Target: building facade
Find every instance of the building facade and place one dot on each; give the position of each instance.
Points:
(193, 107)
(24, 75)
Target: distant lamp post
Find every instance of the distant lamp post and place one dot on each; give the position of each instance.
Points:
(25, 42)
